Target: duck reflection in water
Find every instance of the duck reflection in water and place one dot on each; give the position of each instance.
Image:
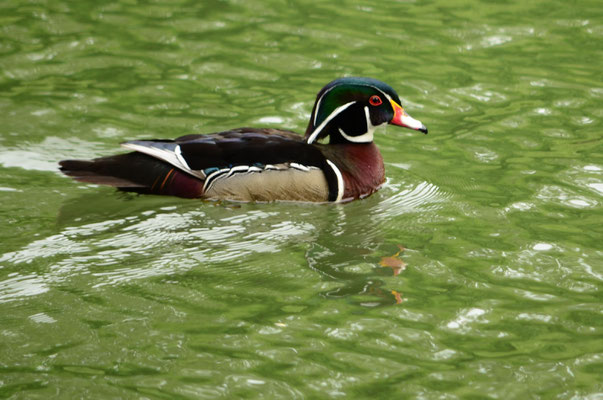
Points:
(356, 260)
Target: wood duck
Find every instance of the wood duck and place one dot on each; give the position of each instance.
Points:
(249, 164)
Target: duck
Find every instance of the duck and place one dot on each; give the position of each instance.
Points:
(336, 160)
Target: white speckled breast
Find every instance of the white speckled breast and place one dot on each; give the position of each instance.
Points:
(286, 184)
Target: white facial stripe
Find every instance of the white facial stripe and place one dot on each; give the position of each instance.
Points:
(335, 112)
(385, 94)
(339, 181)
(318, 104)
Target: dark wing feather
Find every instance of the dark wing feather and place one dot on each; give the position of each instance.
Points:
(239, 132)
(244, 146)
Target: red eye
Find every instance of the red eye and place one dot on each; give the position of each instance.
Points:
(375, 101)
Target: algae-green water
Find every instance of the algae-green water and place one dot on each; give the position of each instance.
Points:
(475, 272)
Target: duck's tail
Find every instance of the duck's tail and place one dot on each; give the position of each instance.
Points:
(134, 172)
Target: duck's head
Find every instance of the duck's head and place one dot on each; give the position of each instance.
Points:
(349, 109)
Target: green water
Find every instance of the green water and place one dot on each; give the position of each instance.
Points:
(497, 293)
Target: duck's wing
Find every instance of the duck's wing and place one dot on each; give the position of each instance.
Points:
(249, 163)
(239, 149)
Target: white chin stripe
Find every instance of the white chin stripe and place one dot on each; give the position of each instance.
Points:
(364, 138)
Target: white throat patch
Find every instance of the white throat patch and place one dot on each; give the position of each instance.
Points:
(366, 137)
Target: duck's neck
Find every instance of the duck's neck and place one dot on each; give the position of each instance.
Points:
(361, 167)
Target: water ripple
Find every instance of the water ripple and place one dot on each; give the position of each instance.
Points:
(475, 271)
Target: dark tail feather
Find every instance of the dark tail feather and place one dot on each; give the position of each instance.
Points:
(91, 172)
(134, 172)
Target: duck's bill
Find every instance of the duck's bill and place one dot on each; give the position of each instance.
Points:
(405, 120)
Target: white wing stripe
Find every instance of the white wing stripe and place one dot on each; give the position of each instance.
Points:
(299, 166)
(238, 168)
(178, 152)
(165, 155)
(211, 178)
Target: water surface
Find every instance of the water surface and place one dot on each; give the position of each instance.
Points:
(476, 272)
